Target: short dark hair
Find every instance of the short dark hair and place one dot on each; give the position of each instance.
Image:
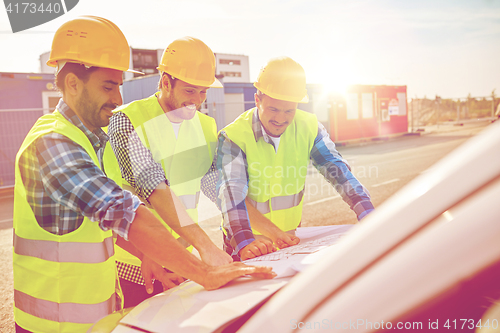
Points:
(82, 72)
(171, 79)
(260, 94)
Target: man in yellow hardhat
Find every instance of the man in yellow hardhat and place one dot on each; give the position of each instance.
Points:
(262, 160)
(163, 144)
(65, 207)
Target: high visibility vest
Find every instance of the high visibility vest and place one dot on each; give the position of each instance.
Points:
(277, 179)
(185, 159)
(61, 283)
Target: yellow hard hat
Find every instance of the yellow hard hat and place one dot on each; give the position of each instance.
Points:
(190, 60)
(284, 79)
(92, 41)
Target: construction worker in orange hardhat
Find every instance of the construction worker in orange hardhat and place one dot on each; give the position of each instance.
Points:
(83, 46)
(165, 147)
(262, 158)
(66, 209)
(190, 62)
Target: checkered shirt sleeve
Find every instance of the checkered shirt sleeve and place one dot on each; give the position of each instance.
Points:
(63, 185)
(130, 273)
(209, 181)
(136, 162)
(232, 189)
(328, 161)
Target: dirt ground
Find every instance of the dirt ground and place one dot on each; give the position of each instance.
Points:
(7, 286)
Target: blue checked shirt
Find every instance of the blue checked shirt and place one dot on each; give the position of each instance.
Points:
(143, 173)
(232, 184)
(63, 185)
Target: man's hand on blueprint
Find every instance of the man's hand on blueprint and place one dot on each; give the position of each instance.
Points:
(152, 271)
(283, 239)
(268, 229)
(257, 248)
(221, 275)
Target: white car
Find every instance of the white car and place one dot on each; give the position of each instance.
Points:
(427, 259)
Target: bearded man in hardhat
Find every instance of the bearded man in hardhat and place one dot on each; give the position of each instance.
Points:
(262, 159)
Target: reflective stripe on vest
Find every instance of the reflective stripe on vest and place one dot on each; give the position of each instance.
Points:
(278, 203)
(63, 312)
(85, 253)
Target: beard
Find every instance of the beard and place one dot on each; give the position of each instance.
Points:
(90, 111)
(176, 108)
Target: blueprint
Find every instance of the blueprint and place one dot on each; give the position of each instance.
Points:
(313, 245)
(301, 248)
(189, 308)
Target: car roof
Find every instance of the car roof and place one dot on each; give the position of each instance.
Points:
(412, 224)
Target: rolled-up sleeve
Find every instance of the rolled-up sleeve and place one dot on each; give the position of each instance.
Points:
(136, 162)
(328, 161)
(209, 181)
(232, 189)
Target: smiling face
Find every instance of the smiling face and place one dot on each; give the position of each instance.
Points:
(181, 101)
(274, 114)
(98, 97)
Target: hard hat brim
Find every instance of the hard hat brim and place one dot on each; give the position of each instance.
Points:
(216, 84)
(134, 71)
(53, 63)
(280, 97)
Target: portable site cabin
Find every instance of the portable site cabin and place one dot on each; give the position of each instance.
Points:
(368, 112)
(364, 112)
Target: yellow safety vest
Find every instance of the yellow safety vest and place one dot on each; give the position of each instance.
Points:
(61, 283)
(277, 179)
(185, 159)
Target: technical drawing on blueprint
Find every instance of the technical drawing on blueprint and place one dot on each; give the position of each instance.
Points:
(301, 248)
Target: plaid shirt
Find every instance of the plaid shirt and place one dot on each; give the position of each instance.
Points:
(63, 185)
(143, 173)
(233, 180)
(137, 164)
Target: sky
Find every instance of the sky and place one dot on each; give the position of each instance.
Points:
(449, 48)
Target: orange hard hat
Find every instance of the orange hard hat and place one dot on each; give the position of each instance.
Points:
(190, 60)
(92, 41)
(284, 79)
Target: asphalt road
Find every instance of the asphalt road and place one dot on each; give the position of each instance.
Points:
(6, 208)
(383, 168)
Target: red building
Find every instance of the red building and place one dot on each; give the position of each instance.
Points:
(369, 111)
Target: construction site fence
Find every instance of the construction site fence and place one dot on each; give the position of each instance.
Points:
(425, 112)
